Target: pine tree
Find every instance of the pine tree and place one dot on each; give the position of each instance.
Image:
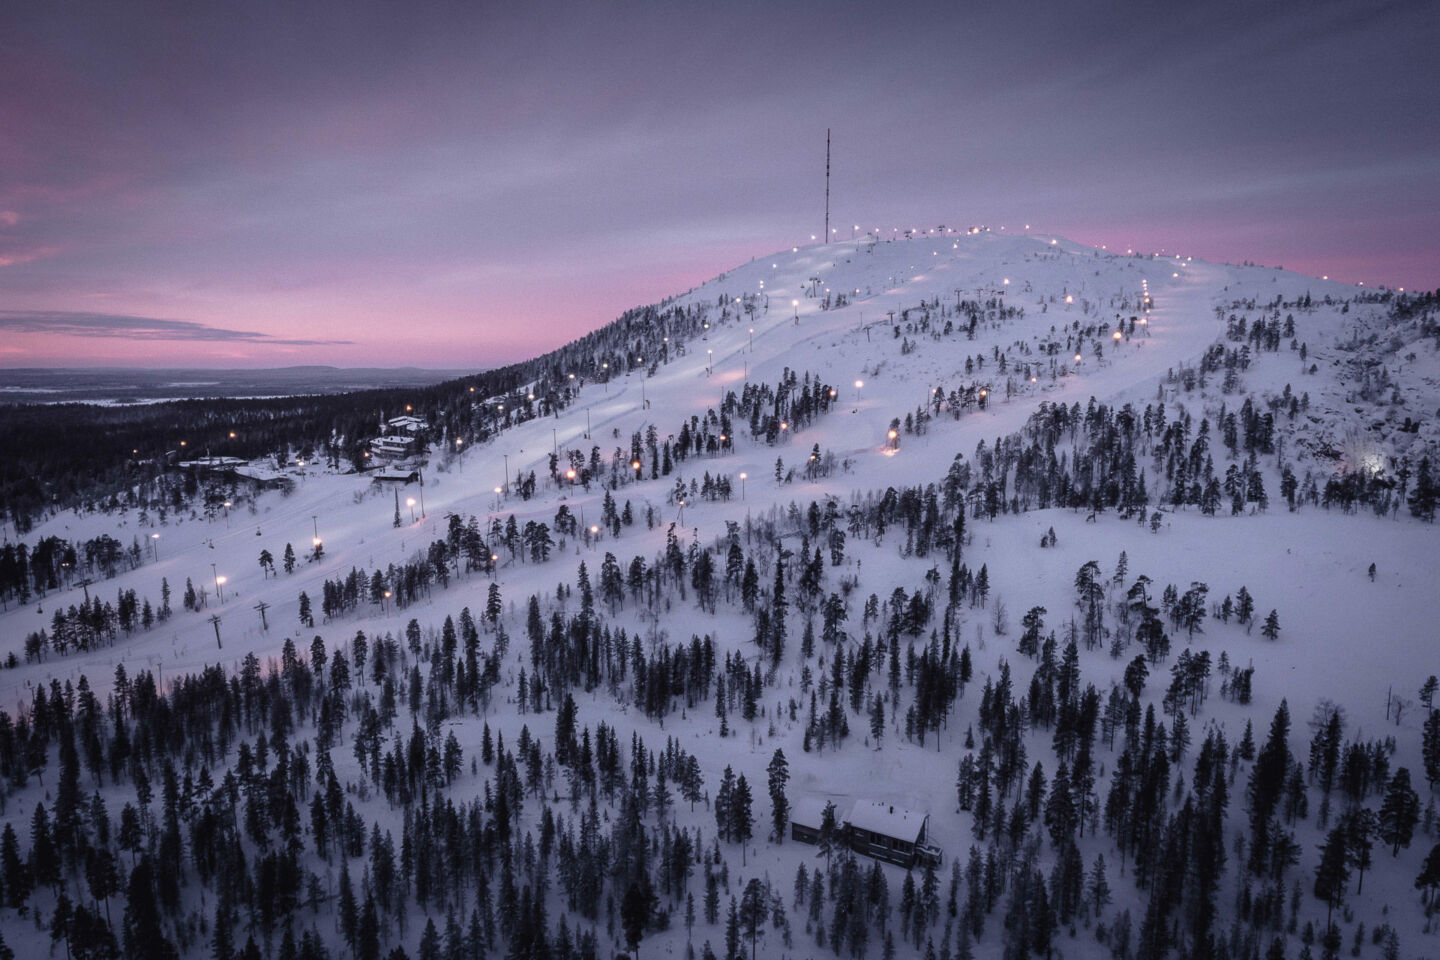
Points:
(143, 936)
(635, 910)
(1360, 829)
(1426, 495)
(779, 771)
(724, 798)
(367, 938)
(1333, 871)
(732, 931)
(1271, 629)
(349, 910)
(1098, 887)
(742, 819)
(829, 837)
(753, 912)
(1400, 812)
(14, 874)
(1430, 872)
(1430, 747)
(430, 941)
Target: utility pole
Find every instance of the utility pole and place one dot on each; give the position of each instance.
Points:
(827, 184)
(215, 622)
(262, 606)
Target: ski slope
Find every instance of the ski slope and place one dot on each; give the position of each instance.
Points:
(1344, 638)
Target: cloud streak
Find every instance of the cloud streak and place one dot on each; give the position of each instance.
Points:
(123, 326)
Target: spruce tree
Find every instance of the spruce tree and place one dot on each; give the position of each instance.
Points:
(1400, 812)
(742, 818)
(1333, 871)
(143, 936)
(1430, 748)
(779, 771)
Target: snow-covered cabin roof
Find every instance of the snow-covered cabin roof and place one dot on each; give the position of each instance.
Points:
(260, 474)
(213, 463)
(395, 474)
(396, 440)
(407, 423)
(887, 820)
(810, 812)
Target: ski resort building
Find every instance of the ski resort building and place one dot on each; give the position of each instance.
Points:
(262, 478)
(393, 447)
(406, 424)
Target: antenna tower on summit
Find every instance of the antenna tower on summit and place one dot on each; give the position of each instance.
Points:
(827, 184)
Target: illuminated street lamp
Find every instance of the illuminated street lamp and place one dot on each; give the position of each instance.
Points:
(410, 502)
(743, 475)
(155, 546)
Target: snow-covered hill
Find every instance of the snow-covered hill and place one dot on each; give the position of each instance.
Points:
(1191, 422)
